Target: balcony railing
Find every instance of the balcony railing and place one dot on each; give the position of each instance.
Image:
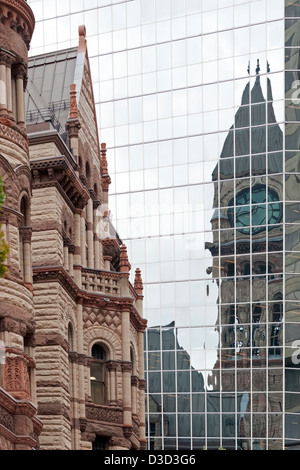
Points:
(103, 282)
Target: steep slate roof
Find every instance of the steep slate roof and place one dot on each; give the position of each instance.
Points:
(48, 88)
(49, 78)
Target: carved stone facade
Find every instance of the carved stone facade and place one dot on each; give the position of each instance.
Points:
(19, 425)
(83, 298)
(71, 324)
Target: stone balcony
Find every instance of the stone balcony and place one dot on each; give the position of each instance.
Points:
(104, 282)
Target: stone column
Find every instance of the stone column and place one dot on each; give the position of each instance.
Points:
(127, 416)
(112, 382)
(66, 253)
(71, 249)
(9, 89)
(90, 234)
(78, 248)
(96, 221)
(126, 373)
(20, 98)
(26, 233)
(83, 239)
(142, 385)
(3, 86)
(81, 363)
(134, 386)
(73, 358)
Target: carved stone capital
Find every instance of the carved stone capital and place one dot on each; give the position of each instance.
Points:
(127, 430)
(112, 365)
(126, 366)
(142, 384)
(26, 234)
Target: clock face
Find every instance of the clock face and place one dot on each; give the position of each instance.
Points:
(255, 208)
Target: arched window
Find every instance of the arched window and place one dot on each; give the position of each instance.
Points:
(70, 337)
(97, 376)
(24, 209)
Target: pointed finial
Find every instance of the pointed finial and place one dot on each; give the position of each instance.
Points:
(257, 67)
(82, 38)
(125, 266)
(138, 282)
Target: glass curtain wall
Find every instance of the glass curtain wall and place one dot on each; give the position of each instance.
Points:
(203, 151)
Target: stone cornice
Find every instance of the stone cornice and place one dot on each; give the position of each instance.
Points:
(47, 136)
(16, 406)
(58, 171)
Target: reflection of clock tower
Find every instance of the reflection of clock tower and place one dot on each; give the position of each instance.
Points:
(247, 260)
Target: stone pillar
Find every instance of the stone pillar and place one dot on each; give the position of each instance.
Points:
(73, 357)
(9, 89)
(78, 248)
(26, 233)
(97, 243)
(111, 367)
(83, 240)
(66, 253)
(107, 260)
(3, 88)
(20, 98)
(81, 363)
(134, 386)
(126, 372)
(142, 385)
(71, 249)
(90, 234)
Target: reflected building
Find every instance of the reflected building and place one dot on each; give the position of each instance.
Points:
(204, 161)
(248, 267)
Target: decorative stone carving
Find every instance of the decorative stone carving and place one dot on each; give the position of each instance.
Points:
(125, 266)
(104, 413)
(138, 282)
(16, 377)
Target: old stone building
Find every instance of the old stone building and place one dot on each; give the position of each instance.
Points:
(71, 322)
(19, 424)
